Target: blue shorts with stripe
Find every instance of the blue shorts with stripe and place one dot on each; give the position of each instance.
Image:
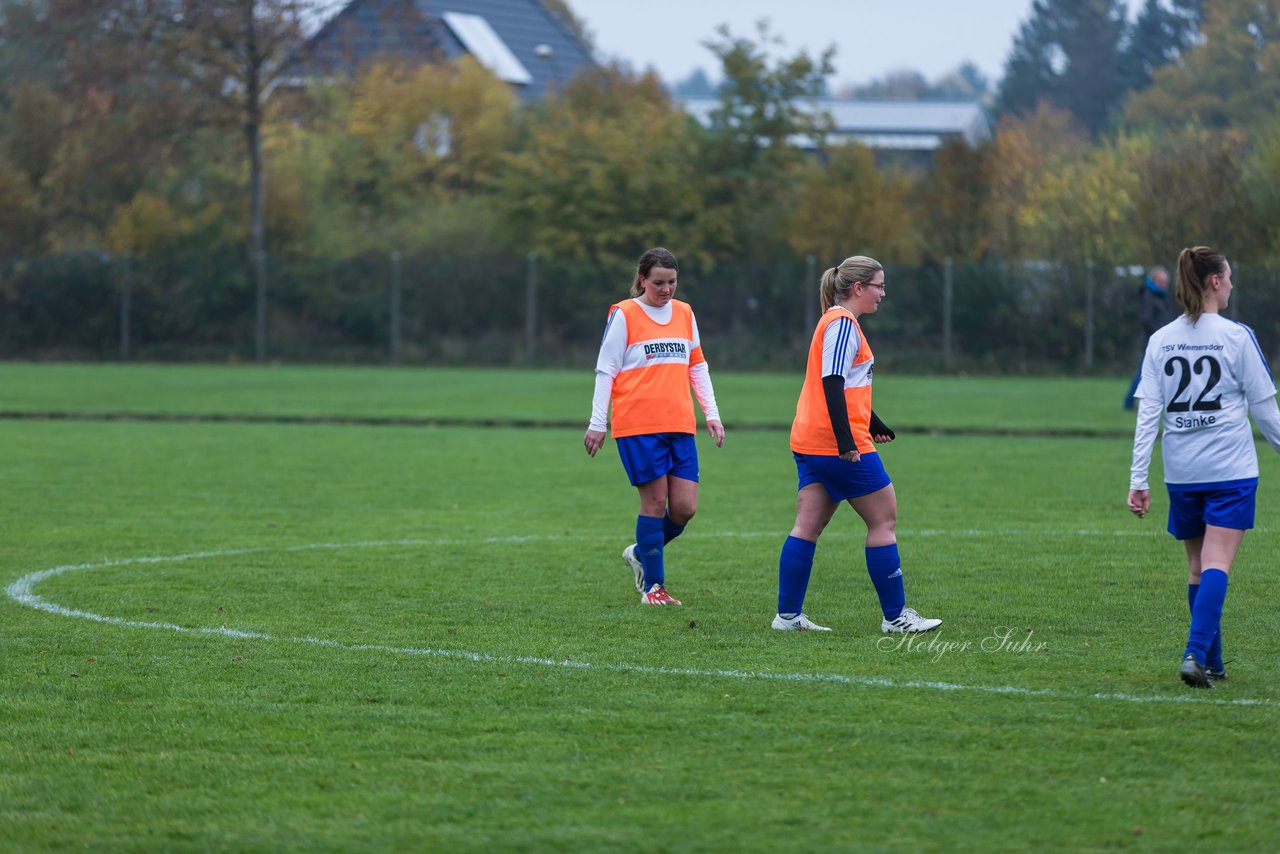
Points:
(653, 455)
(841, 478)
(1229, 504)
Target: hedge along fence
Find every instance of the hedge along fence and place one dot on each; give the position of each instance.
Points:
(507, 310)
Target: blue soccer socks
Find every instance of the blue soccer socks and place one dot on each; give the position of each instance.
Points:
(885, 569)
(1213, 658)
(652, 534)
(796, 563)
(649, 544)
(670, 530)
(1206, 613)
(794, 566)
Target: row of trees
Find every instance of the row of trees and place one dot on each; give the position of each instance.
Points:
(137, 127)
(965, 83)
(1087, 57)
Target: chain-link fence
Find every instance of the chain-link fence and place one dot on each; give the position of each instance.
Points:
(998, 318)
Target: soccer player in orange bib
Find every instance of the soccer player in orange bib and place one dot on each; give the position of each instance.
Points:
(833, 440)
(649, 356)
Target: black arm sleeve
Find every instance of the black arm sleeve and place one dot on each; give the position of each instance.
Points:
(838, 410)
(879, 428)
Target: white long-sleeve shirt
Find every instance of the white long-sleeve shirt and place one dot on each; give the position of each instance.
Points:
(1200, 384)
(613, 348)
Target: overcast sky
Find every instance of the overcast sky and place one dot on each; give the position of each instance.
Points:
(872, 37)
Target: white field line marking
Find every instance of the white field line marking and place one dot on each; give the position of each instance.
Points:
(22, 592)
(1153, 533)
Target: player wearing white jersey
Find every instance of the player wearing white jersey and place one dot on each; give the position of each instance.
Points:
(1202, 377)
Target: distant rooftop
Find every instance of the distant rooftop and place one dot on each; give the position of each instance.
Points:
(519, 40)
(886, 125)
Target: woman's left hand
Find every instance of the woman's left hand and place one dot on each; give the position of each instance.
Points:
(716, 429)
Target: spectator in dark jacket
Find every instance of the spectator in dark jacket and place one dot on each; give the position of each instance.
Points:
(1153, 313)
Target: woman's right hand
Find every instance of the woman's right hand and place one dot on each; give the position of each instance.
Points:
(592, 441)
(852, 456)
(1139, 502)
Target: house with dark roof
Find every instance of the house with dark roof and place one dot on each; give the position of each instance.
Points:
(518, 40)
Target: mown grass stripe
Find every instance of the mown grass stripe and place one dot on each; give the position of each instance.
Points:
(23, 592)
(512, 423)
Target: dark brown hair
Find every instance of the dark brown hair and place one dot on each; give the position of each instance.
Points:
(655, 257)
(1195, 265)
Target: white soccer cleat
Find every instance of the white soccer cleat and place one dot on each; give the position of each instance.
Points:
(909, 621)
(799, 624)
(637, 568)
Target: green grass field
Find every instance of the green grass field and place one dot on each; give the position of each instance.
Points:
(560, 398)
(260, 635)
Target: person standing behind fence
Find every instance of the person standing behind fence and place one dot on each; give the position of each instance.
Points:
(649, 356)
(1153, 312)
(833, 441)
(1202, 377)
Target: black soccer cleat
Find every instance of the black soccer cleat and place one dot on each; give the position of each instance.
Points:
(1219, 673)
(1194, 673)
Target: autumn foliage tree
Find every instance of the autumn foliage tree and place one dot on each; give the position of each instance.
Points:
(607, 166)
(87, 109)
(846, 206)
(952, 202)
(1191, 190)
(1082, 204)
(1230, 78)
(1262, 188)
(750, 162)
(1025, 152)
(390, 159)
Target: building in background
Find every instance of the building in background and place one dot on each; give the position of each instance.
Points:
(906, 132)
(519, 40)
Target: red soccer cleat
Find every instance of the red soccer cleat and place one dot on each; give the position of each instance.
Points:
(658, 595)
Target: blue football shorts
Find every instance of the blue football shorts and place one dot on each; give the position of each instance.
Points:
(1226, 505)
(653, 455)
(841, 478)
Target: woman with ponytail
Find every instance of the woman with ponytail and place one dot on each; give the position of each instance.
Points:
(1202, 377)
(650, 355)
(833, 441)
